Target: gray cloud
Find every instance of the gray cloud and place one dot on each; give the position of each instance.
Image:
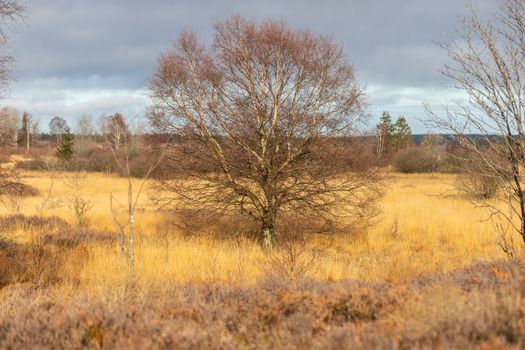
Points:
(94, 57)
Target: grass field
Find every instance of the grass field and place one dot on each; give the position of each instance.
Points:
(427, 274)
(419, 230)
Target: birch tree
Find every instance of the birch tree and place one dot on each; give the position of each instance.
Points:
(488, 65)
(265, 118)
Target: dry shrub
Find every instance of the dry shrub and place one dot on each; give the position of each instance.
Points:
(37, 164)
(291, 258)
(269, 315)
(74, 238)
(4, 158)
(13, 188)
(480, 307)
(482, 175)
(415, 160)
(202, 222)
(40, 261)
(42, 224)
(479, 186)
(32, 263)
(192, 222)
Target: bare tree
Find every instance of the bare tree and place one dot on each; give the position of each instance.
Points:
(84, 126)
(10, 11)
(434, 144)
(57, 127)
(84, 134)
(381, 139)
(9, 121)
(488, 65)
(77, 203)
(116, 130)
(126, 228)
(35, 130)
(50, 200)
(383, 133)
(264, 118)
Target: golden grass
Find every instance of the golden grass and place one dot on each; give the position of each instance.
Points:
(417, 232)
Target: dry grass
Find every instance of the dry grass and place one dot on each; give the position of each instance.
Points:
(428, 274)
(418, 232)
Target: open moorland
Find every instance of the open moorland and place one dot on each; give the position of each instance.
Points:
(424, 226)
(249, 188)
(427, 273)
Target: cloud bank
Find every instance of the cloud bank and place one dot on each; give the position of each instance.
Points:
(95, 57)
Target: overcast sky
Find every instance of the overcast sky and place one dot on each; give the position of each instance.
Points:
(94, 57)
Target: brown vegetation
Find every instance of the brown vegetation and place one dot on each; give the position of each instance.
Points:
(262, 147)
(487, 65)
(263, 116)
(415, 160)
(60, 284)
(480, 307)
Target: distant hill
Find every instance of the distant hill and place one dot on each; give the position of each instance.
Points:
(418, 138)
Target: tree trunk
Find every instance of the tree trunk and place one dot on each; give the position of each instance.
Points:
(522, 212)
(268, 230)
(28, 140)
(132, 241)
(519, 192)
(523, 225)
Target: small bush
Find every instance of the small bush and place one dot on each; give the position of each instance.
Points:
(32, 263)
(36, 164)
(72, 238)
(18, 189)
(415, 160)
(43, 224)
(450, 163)
(478, 186)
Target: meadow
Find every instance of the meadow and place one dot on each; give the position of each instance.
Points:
(424, 226)
(428, 273)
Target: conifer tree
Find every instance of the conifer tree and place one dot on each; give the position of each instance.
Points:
(384, 132)
(402, 133)
(25, 132)
(65, 147)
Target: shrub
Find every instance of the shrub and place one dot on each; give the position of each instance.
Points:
(43, 224)
(36, 164)
(72, 238)
(481, 307)
(34, 263)
(479, 186)
(415, 160)
(450, 163)
(18, 189)
(40, 261)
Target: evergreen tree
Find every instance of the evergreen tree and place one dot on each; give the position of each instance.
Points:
(65, 147)
(386, 123)
(383, 133)
(402, 133)
(25, 133)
